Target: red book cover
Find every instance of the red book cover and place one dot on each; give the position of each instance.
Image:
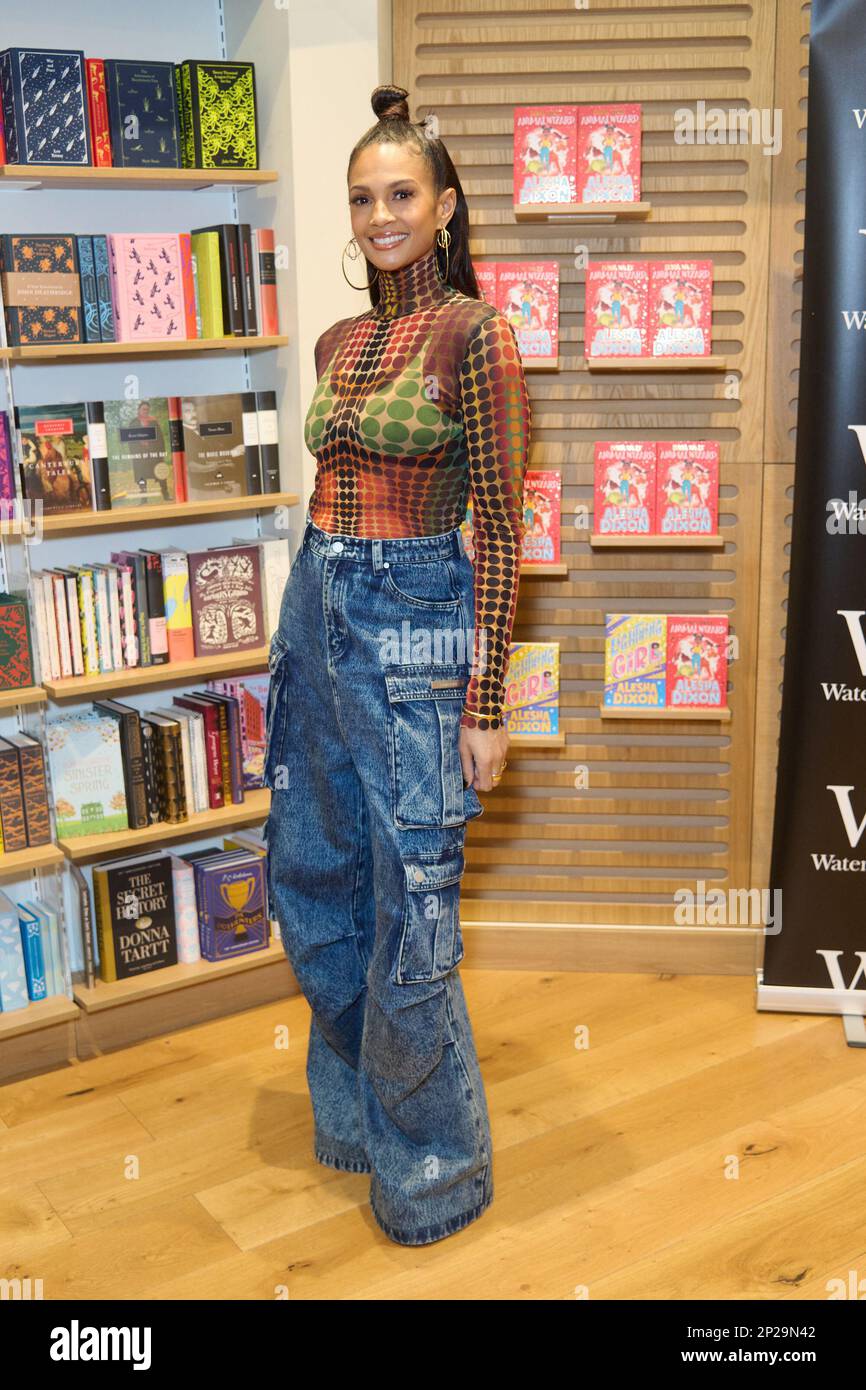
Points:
(178, 456)
(485, 274)
(681, 308)
(545, 155)
(687, 487)
(97, 101)
(542, 510)
(188, 283)
(265, 280)
(213, 751)
(697, 661)
(528, 296)
(16, 655)
(615, 321)
(226, 593)
(609, 153)
(625, 487)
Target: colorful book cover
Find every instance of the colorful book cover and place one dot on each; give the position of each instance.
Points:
(102, 266)
(16, 643)
(147, 286)
(12, 820)
(45, 114)
(7, 462)
(615, 322)
(185, 911)
(34, 952)
(265, 280)
(681, 308)
(625, 487)
(34, 787)
(206, 249)
(89, 301)
(41, 288)
(545, 155)
(687, 487)
(178, 609)
(142, 113)
(609, 153)
(531, 704)
(528, 295)
(542, 513)
(697, 661)
(214, 446)
(225, 589)
(134, 900)
(138, 436)
(55, 456)
(485, 274)
(86, 774)
(230, 891)
(97, 106)
(218, 101)
(251, 693)
(13, 976)
(635, 649)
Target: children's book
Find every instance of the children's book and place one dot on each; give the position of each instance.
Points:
(615, 321)
(687, 487)
(697, 661)
(625, 487)
(681, 308)
(531, 705)
(545, 155)
(634, 660)
(609, 153)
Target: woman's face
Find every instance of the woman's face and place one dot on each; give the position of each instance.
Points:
(395, 212)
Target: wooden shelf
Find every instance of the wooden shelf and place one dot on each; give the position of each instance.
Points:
(535, 741)
(684, 715)
(110, 994)
(179, 512)
(41, 1013)
(84, 848)
(581, 212)
(704, 542)
(50, 351)
(34, 176)
(27, 695)
(19, 862)
(543, 571)
(712, 362)
(534, 364)
(170, 673)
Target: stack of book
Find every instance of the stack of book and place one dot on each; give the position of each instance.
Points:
(139, 287)
(117, 767)
(153, 607)
(33, 963)
(648, 309)
(24, 818)
(59, 107)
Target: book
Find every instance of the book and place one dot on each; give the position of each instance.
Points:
(89, 302)
(97, 447)
(225, 589)
(274, 566)
(231, 744)
(248, 288)
(139, 442)
(34, 787)
(178, 457)
(132, 753)
(7, 461)
(220, 445)
(545, 155)
(12, 819)
(194, 755)
(45, 116)
(625, 487)
(269, 440)
(609, 154)
(134, 901)
(251, 693)
(97, 107)
(86, 774)
(74, 615)
(230, 892)
(615, 321)
(13, 977)
(635, 656)
(697, 664)
(218, 102)
(213, 763)
(681, 312)
(171, 793)
(178, 612)
(206, 250)
(17, 669)
(102, 268)
(147, 287)
(41, 288)
(527, 293)
(61, 616)
(155, 608)
(265, 280)
(185, 911)
(35, 953)
(85, 922)
(55, 462)
(542, 512)
(191, 321)
(531, 704)
(687, 487)
(137, 563)
(230, 278)
(142, 113)
(181, 718)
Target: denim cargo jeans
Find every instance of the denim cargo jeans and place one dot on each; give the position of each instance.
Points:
(369, 669)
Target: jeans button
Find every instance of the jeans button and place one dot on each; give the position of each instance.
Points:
(337, 547)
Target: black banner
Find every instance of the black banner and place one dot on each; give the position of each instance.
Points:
(816, 961)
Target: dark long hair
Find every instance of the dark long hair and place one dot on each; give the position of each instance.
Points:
(393, 125)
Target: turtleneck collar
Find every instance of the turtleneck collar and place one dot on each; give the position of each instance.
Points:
(410, 287)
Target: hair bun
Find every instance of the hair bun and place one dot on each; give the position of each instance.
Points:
(388, 102)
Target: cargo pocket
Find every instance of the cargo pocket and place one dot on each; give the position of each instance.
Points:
(431, 943)
(275, 715)
(424, 707)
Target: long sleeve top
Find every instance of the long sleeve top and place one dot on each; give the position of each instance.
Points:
(420, 403)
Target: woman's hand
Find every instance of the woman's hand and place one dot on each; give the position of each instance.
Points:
(482, 752)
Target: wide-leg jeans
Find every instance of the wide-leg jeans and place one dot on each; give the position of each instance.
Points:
(369, 669)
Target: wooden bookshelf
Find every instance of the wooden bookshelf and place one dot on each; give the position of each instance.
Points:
(543, 571)
(40, 1013)
(119, 518)
(713, 362)
(27, 695)
(20, 862)
(35, 176)
(83, 849)
(170, 673)
(582, 212)
(53, 351)
(719, 715)
(519, 741)
(109, 994)
(601, 542)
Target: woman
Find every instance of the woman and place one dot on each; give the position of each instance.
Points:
(380, 736)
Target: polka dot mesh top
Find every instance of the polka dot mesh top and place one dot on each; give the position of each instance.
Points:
(420, 403)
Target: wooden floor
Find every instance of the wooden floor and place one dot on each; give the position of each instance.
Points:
(611, 1164)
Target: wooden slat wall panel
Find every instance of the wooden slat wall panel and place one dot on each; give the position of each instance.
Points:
(665, 804)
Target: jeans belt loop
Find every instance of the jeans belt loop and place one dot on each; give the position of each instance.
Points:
(377, 556)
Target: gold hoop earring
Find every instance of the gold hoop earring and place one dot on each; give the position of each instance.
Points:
(353, 256)
(443, 238)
